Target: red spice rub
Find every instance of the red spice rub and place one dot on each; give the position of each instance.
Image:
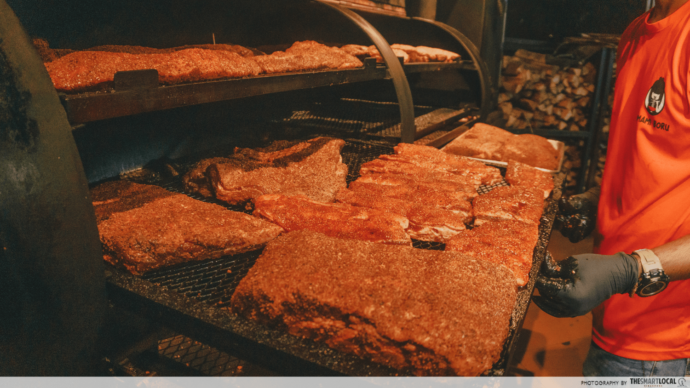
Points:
(523, 175)
(509, 203)
(145, 227)
(425, 312)
(333, 219)
(86, 70)
(510, 243)
(427, 223)
(313, 168)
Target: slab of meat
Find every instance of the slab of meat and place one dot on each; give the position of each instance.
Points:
(510, 243)
(456, 164)
(333, 219)
(145, 227)
(313, 168)
(481, 141)
(305, 56)
(375, 53)
(87, 70)
(448, 200)
(426, 54)
(533, 150)
(520, 174)
(466, 190)
(488, 142)
(510, 203)
(380, 166)
(424, 312)
(427, 223)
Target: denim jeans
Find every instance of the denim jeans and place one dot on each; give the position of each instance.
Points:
(602, 363)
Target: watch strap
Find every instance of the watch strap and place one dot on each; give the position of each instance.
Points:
(648, 260)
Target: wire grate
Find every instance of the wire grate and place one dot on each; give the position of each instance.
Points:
(205, 359)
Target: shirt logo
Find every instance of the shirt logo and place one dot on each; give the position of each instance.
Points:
(656, 97)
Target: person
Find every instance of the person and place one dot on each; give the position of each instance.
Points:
(636, 284)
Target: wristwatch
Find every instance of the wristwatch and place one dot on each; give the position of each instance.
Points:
(653, 280)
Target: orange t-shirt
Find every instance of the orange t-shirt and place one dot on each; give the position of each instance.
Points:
(645, 193)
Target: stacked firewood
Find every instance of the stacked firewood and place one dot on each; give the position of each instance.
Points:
(538, 95)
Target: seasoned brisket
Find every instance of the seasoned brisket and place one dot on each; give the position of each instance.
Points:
(427, 223)
(522, 204)
(425, 312)
(145, 227)
(523, 175)
(333, 219)
(510, 243)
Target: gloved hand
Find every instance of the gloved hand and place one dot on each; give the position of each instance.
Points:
(578, 214)
(580, 283)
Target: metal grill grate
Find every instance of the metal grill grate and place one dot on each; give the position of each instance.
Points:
(353, 117)
(206, 359)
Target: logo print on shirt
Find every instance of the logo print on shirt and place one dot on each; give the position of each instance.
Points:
(656, 98)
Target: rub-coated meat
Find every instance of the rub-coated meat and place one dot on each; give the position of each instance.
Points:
(510, 203)
(466, 190)
(523, 175)
(86, 70)
(427, 223)
(305, 56)
(488, 142)
(424, 312)
(510, 243)
(313, 168)
(145, 227)
(333, 219)
(448, 200)
(434, 158)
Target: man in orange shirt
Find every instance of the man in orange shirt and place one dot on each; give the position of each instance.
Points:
(636, 285)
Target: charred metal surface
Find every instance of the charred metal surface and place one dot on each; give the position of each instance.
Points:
(51, 274)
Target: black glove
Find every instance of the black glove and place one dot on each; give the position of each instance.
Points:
(580, 283)
(578, 214)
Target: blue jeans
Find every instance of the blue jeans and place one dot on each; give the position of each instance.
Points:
(602, 363)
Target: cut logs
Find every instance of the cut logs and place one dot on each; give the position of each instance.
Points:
(537, 95)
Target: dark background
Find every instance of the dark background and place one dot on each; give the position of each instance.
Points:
(556, 19)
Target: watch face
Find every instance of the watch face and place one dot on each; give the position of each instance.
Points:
(652, 288)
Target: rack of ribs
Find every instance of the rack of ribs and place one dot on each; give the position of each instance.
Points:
(423, 312)
(523, 175)
(89, 70)
(510, 243)
(452, 201)
(145, 227)
(305, 56)
(457, 164)
(313, 168)
(467, 191)
(510, 203)
(380, 166)
(427, 223)
(333, 219)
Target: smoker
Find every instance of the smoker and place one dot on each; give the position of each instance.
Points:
(53, 146)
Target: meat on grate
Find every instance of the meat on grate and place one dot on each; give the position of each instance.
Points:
(313, 168)
(523, 175)
(510, 203)
(145, 227)
(423, 312)
(427, 223)
(333, 219)
(510, 243)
